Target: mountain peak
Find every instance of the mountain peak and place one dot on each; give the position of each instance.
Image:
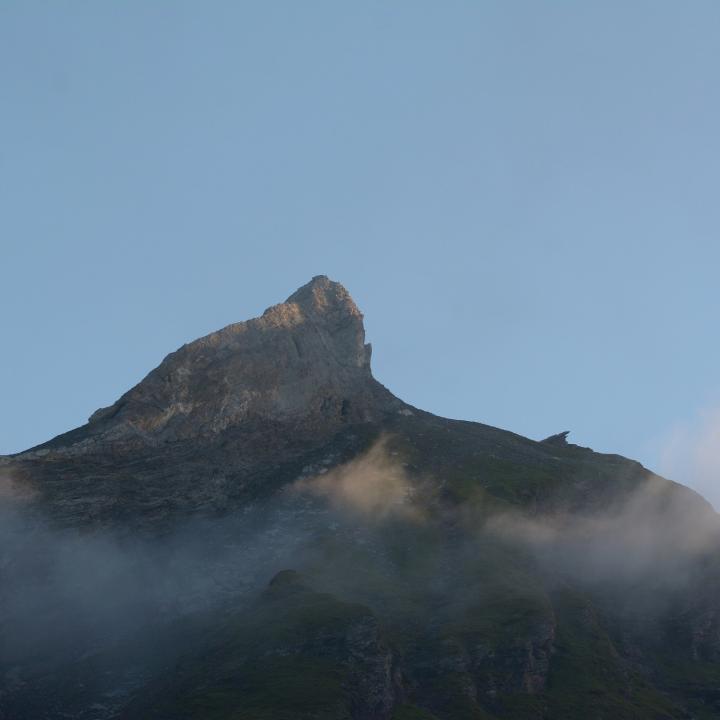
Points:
(320, 292)
(302, 359)
(328, 307)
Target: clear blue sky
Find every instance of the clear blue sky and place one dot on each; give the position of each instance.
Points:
(521, 196)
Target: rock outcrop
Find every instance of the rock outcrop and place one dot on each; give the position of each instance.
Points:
(304, 360)
(303, 363)
(229, 415)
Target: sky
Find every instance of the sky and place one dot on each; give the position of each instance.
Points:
(522, 197)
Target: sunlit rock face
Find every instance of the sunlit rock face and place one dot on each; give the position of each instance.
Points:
(223, 419)
(301, 360)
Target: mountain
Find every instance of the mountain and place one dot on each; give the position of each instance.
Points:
(259, 529)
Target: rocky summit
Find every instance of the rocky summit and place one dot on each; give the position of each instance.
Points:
(228, 415)
(303, 363)
(260, 530)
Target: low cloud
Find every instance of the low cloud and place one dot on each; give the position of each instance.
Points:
(374, 485)
(691, 454)
(655, 533)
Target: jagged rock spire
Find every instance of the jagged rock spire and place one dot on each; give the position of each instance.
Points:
(301, 359)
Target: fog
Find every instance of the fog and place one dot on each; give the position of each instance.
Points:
(94, 584)
(691, 454)
(66, 595)
(375, 485)
(655, 535)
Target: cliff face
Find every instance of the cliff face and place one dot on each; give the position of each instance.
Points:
(259, 529)
(303, 361)
(228, 416)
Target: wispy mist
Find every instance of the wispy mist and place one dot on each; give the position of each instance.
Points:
(691, 454)
(362, 529)
(374, 485)
(655, 534)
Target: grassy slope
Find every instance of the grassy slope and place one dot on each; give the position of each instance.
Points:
(440, 599)
(264, 662)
